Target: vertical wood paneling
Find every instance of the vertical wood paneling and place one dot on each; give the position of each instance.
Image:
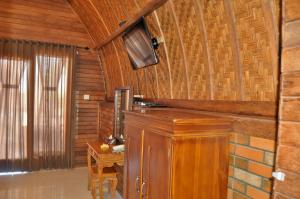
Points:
(288, 148)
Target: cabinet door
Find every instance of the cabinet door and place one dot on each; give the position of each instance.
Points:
(156, 166)
(132, 166)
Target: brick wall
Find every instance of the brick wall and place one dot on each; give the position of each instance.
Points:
(251, 165)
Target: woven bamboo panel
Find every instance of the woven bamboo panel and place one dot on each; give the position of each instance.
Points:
(151, 85)
(112, 69)
(103, 8)
(151, 72)
(161, 69)
(232, 56)
(224, 73)
(141, 80)
(90, 18)
(172, 41)
(123, 61)
(164, 85)
(129, 6)
(254, 50)
(192, 38)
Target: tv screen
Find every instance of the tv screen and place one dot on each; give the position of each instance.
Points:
(139, 46)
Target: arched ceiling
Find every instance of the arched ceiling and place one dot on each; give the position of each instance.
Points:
(212, 49)
(42, 20)
(101, 18)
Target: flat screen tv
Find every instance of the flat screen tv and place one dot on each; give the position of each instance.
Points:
(138, 44)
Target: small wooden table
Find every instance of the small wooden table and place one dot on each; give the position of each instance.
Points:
(103, 159)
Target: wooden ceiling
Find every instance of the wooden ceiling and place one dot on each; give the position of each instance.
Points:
(42, 20)
(213, 49)
(103, 17)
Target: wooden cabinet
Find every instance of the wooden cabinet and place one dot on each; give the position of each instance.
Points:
(133, 161)
(178, 154)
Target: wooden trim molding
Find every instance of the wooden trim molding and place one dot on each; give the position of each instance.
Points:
(250, 108)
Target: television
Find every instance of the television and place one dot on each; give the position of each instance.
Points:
(139, 45)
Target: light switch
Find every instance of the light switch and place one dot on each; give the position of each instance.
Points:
(86, 97)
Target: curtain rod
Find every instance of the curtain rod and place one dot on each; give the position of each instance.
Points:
(33, 41)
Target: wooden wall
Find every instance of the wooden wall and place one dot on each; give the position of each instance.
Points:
(288, 151)
(106, 119)
(42, 20)
(89, 80)
(213, 49)
(54, 21)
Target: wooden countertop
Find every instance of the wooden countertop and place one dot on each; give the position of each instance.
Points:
(179, 120)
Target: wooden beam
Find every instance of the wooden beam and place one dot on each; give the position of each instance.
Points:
(146, 10)
(250, 108)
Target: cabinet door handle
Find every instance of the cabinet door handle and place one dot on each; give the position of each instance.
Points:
(137, 184)
(143, 190)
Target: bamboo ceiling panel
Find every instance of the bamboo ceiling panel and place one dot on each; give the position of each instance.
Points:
(104, 7)
(151, 72)
(91, 19)
(175, 52)
(224, 75)
(212, 50)
(142, 86)
(164, 89)
(111, 68)
(255, 50)
(129, 75)
(192, 40)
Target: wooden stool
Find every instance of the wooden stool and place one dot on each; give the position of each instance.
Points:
(109, 174)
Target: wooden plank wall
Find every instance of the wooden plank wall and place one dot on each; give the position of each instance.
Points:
(40, 20)
(54, 21)
(89, 80)
(213, 49)
(288, 151)
(106, 119)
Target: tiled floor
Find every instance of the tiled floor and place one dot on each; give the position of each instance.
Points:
(59, 184)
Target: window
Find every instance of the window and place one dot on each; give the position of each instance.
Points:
(35, 98)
